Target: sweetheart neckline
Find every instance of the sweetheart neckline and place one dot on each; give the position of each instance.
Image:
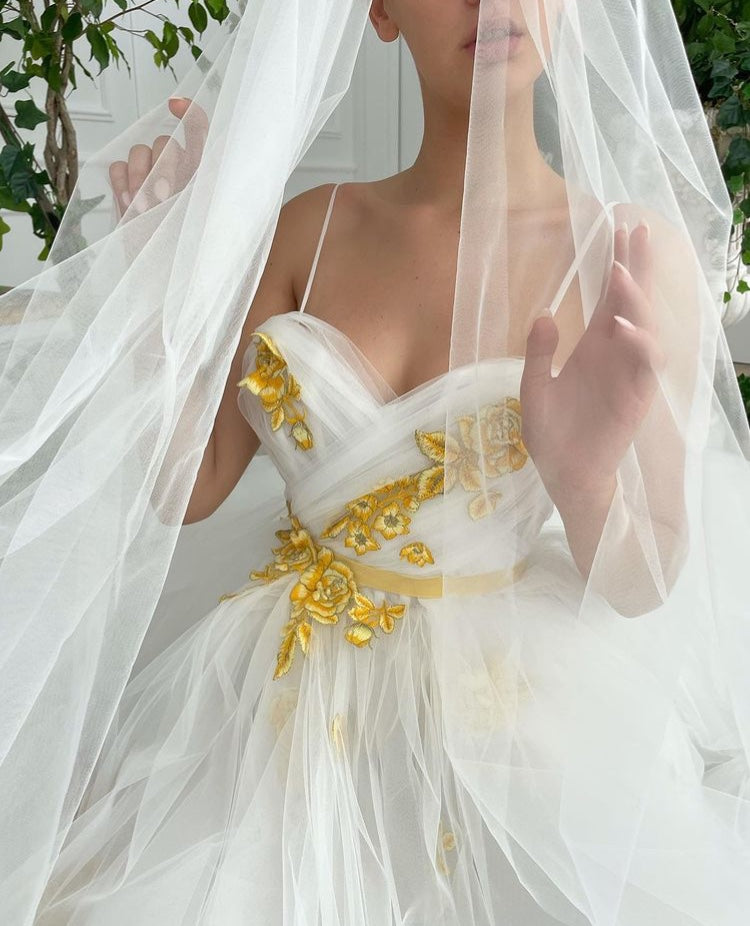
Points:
(395, 397)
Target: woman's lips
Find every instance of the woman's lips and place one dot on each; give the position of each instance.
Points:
(501, 46)
(500, 39)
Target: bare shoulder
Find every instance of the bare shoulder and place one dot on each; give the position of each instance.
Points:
(292, 249)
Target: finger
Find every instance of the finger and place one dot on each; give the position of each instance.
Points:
(640, 357)
(541, 345)
(641, 258)
(178, 105)
(196, 131)
(167, 153)
(139, 167)
(622, 245)
(625, 298)
(118, 178)
(160, 143)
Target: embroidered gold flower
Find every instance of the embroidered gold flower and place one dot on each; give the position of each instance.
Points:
(488, 695)
(392, 521)
(490, 442)
(360, 538)
(446, 843)
(385, 510)
(369, 616)
(417, 553)
(297, 552)
(486, 446)
(324, 590)
(277, 390)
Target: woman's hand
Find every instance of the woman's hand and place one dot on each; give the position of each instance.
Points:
(578, 425)
(168, 165)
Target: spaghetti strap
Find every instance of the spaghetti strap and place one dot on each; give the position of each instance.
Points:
(314, 267)
(575, 266)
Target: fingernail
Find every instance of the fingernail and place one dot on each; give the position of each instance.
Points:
(623, 227)
(644, 224)
(139, 204)
(162, 189)
(126, 198)
(626, 323)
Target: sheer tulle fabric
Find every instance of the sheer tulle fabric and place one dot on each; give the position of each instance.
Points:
(553, 749)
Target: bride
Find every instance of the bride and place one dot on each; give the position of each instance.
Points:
(480, 380)
(386, 278)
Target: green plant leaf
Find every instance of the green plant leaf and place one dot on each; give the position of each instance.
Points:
(73, 27)
(13, 80)
(218, 9)
(48, 19)
(171, 40)
(94, 7)
(9, 202)
(16, 28)
(4, 229)
(198, 17)
(28, 115)
(42, 46)
(16, 168)
(738, 156)
(731, 113)
(99, 49)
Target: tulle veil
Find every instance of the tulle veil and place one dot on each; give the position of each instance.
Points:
(120, 351)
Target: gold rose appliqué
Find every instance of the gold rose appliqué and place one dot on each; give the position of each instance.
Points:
(324, 590)
(491, 441)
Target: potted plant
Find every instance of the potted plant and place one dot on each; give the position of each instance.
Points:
(51, 45)
(717, 41)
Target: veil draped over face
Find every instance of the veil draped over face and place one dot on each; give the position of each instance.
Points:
(633, 455)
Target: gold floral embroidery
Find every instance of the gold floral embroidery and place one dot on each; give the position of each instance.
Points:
(386, 511)
(338, 733)
(446, 843)
(487, 696)
(282, 707)
(324, 590)
(491, 441)
(277, 390)
(370, 616)
(417, 553)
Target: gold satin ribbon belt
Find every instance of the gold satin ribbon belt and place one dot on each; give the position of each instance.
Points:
(386, 580)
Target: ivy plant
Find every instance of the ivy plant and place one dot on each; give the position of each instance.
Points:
(717, 41)
(52, 42)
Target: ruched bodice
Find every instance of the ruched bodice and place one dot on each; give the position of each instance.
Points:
(364, 467)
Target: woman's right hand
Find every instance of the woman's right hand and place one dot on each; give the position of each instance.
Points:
(176, 165)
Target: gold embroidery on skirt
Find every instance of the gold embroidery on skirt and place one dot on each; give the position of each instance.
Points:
(324, 590)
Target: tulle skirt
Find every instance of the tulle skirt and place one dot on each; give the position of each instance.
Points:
(441, 777)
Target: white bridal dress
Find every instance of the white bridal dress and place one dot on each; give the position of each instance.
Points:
(338, 742)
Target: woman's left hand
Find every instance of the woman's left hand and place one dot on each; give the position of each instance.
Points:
(578, 425)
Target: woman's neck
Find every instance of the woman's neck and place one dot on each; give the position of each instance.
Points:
(437, 176)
